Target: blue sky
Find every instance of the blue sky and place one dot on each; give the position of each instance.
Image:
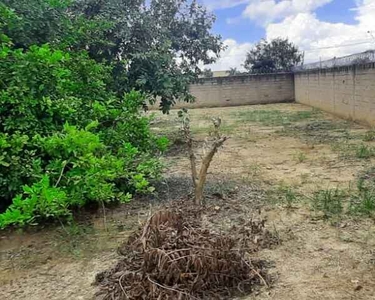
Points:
(321, 28)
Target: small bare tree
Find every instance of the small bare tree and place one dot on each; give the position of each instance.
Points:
(199, 178)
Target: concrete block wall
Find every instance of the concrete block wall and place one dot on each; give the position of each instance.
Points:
(348, 92)
(240, 90)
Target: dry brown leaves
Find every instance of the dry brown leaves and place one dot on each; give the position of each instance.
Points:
(172, 257)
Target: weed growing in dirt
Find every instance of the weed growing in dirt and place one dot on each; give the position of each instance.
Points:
(285, 195)
(369, 136)
(289, 195)
(330, 202)
(363, 202)
(254, 173)
(74, 239)
(300, 157)
(347, 150)
(335, 203)
(304, 178)
(364, 152)
(343, 149)
(274, 117)
(368, 175)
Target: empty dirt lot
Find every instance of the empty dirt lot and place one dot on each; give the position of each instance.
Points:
(311, 175)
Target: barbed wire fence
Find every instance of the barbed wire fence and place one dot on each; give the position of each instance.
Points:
(349, 60)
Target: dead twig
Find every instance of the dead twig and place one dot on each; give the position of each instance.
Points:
(257, 273)
(61, 174)
(169, 288)
(122, 288)
(104, 216)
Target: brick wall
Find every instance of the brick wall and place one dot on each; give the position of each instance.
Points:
(241, 90)
(348, 92)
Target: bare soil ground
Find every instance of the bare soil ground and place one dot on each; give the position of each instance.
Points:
(277, 158)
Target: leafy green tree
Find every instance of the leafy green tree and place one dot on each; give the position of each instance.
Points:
(207, 73)
(37, 22)
(278, 55)
(233, 72)
(155, 46)
(160, 44)
(44, 22)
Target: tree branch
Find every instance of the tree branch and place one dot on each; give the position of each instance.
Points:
(204, 168)
(193, 162)
(199, 180)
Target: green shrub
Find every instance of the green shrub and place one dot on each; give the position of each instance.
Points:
(41, 89)
(81, 168)
(39, 201)
(65, 138)
(91, 172)
(19, 165)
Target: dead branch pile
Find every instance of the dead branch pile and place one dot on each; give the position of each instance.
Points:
(172, 257)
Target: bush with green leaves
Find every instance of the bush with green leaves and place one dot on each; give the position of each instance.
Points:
(80, 169)
(65, 138)
(41, 200)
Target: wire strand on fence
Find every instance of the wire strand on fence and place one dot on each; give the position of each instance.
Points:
(354, 59)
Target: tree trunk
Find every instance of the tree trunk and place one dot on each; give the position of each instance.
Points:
(204, 168)
(193, 162)
(198, 199)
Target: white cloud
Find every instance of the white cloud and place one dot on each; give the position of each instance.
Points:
(326, 40)
(366, 13)
(233, 21)
(267, 11)
(298, 23)
(233, 57)
(221, 4)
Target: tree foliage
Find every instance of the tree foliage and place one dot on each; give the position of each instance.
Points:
(207, 73)
(161, 42)
(278, 55)
(154, 46)
(233, 72)
(37, 22)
